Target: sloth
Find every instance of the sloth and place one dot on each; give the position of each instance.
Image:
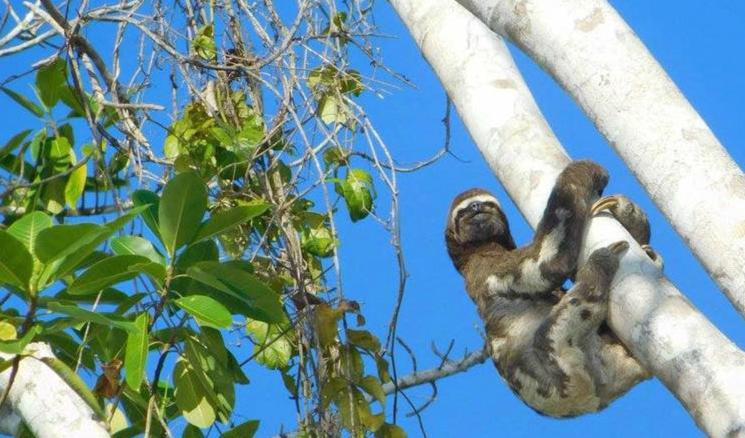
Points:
(553, 348)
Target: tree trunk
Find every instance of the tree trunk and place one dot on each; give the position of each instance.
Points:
(589, 49)
(703, 368)
(49, 407)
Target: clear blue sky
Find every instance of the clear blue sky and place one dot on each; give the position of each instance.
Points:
(701, 47)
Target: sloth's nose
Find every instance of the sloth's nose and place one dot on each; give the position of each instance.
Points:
(476, 207)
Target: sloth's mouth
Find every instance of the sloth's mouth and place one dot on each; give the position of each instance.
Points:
(481, 216)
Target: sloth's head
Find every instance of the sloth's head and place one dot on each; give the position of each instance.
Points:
(475, 220)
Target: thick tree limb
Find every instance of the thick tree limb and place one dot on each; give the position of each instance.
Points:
(49, 407)
(703, 368)
(591, 51)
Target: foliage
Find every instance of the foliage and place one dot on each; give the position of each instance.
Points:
(145, 266)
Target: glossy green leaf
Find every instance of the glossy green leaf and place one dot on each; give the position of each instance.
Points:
(21, 100)
(390, 431)
(135, 358)
(135, 245)
(192, 431)
(273, 347)
(14, 142)
(364, 339)
(204, 43)
(227, 219)
(27, 228)
(105, 319)
(372, 386)
(156, 271)
(59, 241)
(16, 263)
(205, 250)
(207, 311)
(17, 346)
(318, 241)
(107, 272)
(80, 250)
(53, 195)
(69, 97)
(150, 214)
(51, 79)
(332, 110)
(181, 209)
(75, 185)
(207, 356)
(109, 295)
(244, 430)
(357, 191)
(191, 396)
(242, 291)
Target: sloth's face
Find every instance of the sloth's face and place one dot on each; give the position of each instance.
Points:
(477, 218)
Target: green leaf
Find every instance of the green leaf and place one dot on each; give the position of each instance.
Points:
(192, 431)
(364, 340)
(205, 250)
(136, 245)
(318, 241)
(171, 147)
(357, 191)
(80, 249)
(51, 79)
(390, 431)
(14, 142)
(207, 311)
(135, 358)
(181, 209)
(56, 242)
(244, 430)
(150, 214)
(27, 228)
(227, 219)
(204, 43)
(53, 196)
(372, 386)
(191, 396)
(21, 100)
(243, 293)
(332, 110)
(70, 97)
(273, 343)
(17, 347)
(75, 185)
(16, 263)
(325, 323)
(351, 82)
(107, 272)
(105, 319)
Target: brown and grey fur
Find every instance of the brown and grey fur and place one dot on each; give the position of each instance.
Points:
(553, 348)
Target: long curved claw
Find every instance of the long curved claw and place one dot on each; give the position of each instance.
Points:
(619, 247)
(602, 204)
(656, 258)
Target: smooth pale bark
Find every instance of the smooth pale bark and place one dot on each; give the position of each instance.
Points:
(703, 368)
(591, 51)
(48, 406)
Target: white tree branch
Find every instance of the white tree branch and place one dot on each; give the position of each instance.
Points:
(591, 51)
(446, 370)
(49, 407)
(703, 368)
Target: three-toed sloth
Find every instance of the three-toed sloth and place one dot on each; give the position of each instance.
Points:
(553, 348)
